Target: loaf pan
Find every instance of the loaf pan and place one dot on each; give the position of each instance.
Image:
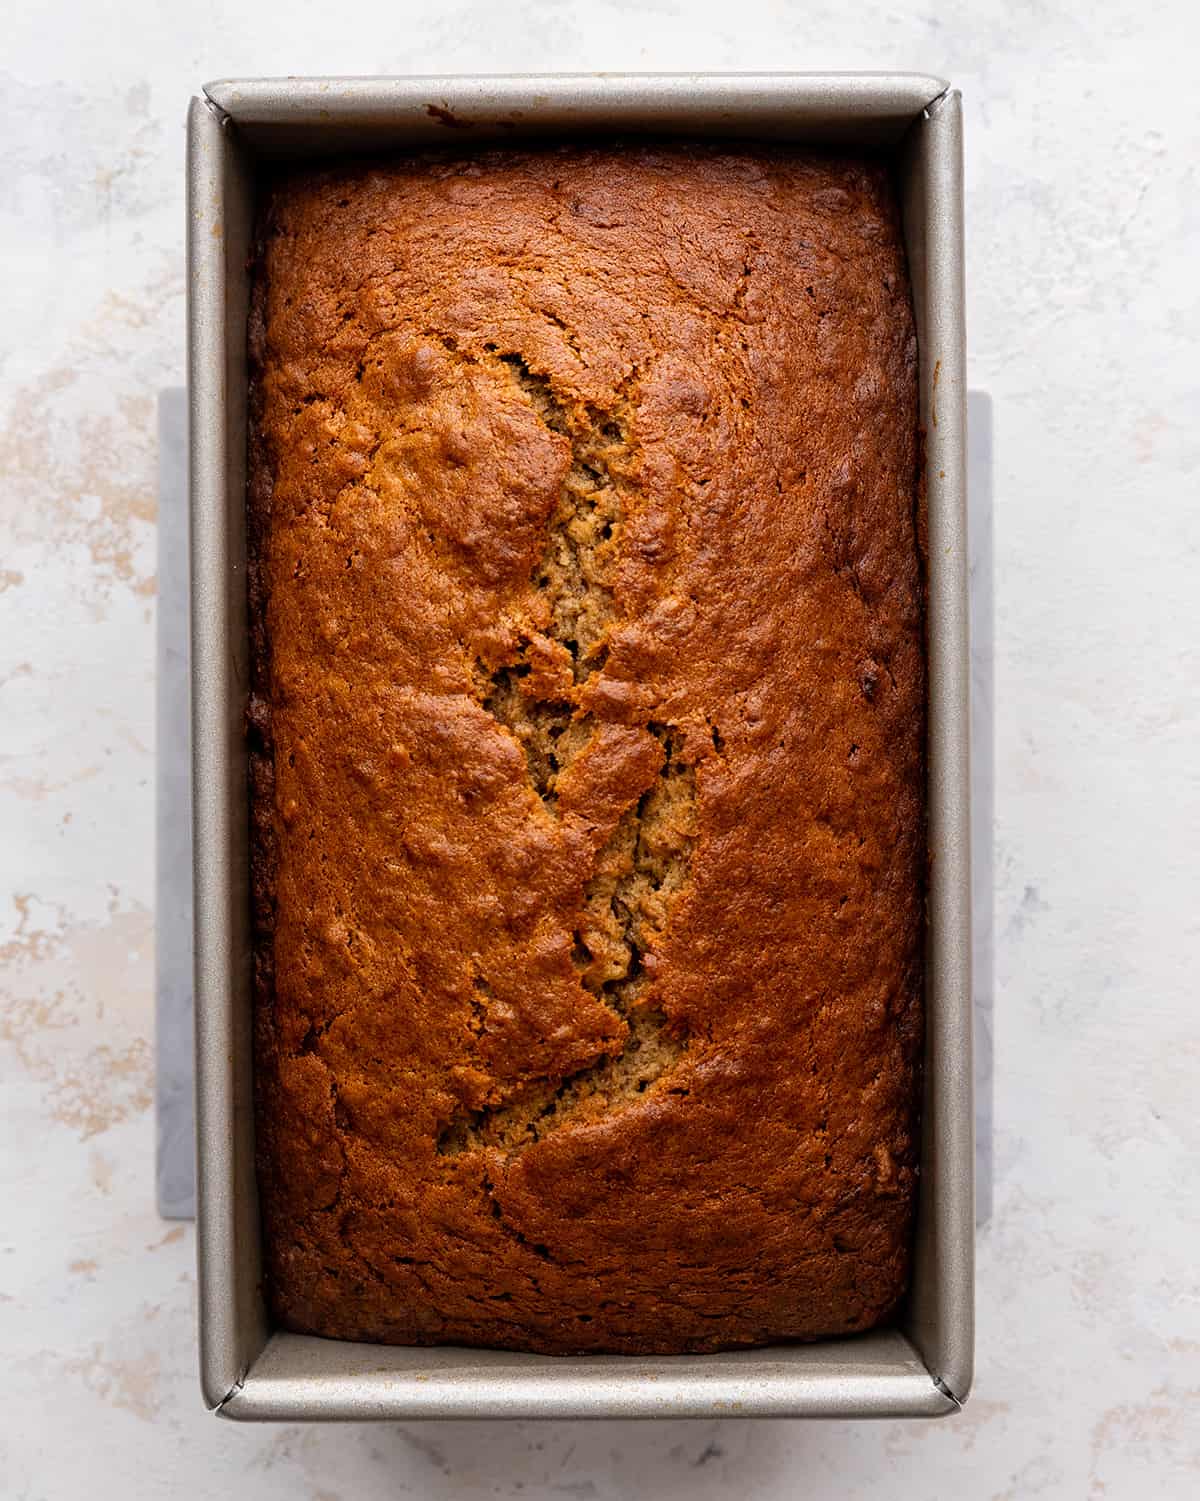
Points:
(921, 1366)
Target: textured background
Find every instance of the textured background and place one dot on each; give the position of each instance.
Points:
(1084, 233)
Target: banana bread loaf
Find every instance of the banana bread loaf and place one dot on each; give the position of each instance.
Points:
(586, 748)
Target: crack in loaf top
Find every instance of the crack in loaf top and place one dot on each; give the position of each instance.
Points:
(586, 748)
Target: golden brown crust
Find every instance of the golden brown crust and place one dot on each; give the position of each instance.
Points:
(586, 748)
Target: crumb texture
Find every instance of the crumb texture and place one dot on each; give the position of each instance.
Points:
(585, 748)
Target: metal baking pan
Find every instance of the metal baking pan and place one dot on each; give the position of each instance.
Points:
(920, 1366)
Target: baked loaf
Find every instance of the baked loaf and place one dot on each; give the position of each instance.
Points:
(586, 748)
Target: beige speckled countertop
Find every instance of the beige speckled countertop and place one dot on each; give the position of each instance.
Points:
(1084, 235)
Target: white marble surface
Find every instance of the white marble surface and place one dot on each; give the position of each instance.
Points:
(1083, 139)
